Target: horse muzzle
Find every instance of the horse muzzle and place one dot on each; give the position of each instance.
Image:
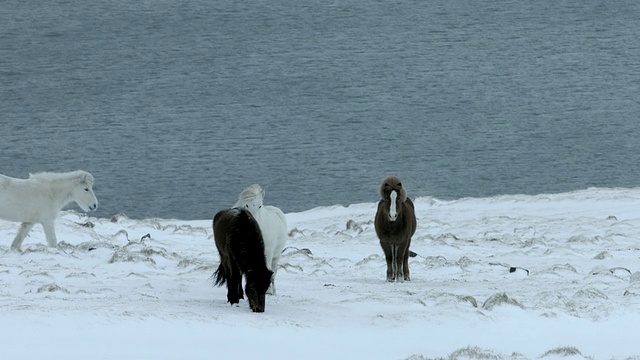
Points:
(393, 217)
(93, 207)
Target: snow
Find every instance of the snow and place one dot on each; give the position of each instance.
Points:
(508, 277)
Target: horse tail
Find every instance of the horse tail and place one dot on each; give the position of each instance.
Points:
(220, 276)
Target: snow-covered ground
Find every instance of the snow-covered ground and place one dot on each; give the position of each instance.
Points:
(508, 277)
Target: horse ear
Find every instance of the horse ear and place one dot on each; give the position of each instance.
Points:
(383, 186)
(403, 194)
(86, 178)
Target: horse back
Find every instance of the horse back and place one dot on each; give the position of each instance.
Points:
(224, 224)
(229, 222)
(23, 200)
(237, 234)
(276, 211)
(276, 219)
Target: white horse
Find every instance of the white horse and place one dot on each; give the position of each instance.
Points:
(39, 198)
(273, 226)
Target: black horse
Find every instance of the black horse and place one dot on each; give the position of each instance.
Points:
(395, 224)
(241, 248)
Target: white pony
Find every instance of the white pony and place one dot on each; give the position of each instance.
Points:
(273, 226)
(39, 198)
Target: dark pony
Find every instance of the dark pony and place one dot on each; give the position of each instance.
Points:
(241, 248)
(395, 225)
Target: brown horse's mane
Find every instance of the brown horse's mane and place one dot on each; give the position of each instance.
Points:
(391, 182)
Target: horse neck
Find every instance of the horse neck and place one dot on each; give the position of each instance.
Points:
(258, 214)
(259, 267)
(61, 191)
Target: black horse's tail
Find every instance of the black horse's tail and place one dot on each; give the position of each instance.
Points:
(220, 276)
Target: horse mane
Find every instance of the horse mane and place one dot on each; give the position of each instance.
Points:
(81, 175)
(249, 194)
(392, 180)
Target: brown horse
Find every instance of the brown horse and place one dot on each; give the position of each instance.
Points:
(241, 248)
(395, 225)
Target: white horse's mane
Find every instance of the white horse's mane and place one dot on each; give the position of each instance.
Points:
(52, 176)
(249, 194)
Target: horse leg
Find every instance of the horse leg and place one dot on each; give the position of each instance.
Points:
(240, 292)
(232, 274)
(22, 233)
(50, 233)
(405, 262)
(274, 268)
(388, 249)
(234, 288)
(398, 260)
(237, 279)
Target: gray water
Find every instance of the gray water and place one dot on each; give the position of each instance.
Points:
(176, 106)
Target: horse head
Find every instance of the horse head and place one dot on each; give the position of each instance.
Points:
(82, 192)
(251, 198)
(393, 195)
(256, 289)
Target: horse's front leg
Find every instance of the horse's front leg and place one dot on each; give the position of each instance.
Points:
(398, 261)
(405, 262)
(274, 268)
(22, 233)
(50, 233)
(388, 249)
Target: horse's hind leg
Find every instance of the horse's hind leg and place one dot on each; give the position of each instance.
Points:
(232, 292)
(22, 233)
(239, 290)
(234, 285)
(50, 233)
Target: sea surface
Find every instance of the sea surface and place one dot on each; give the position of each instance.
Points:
(176, 106)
